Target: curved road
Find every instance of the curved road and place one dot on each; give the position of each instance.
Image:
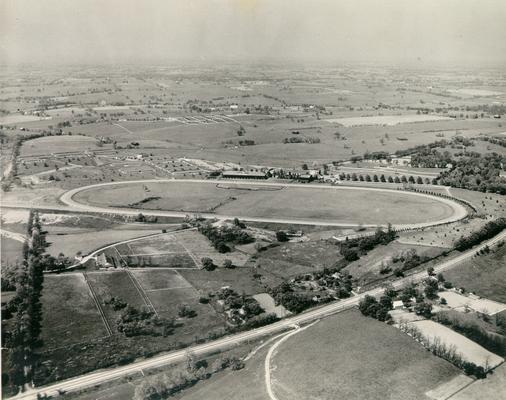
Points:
(459, 211)
(230, 341)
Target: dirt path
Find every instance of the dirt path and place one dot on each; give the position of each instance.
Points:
(267, 365)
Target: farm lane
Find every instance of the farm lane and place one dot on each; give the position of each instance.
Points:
(227, 342)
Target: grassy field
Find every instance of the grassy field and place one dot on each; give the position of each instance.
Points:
(485, 275)
(58, 144)
(239, 279)
(183, 249)
(160, 280)
(385, 120)
(290, 202)
(12, 251)
(167, 290)
(69, 243)
(469, 350)
(367, 268)
(353, 357)
(491, 388)
(69, 314)
(115, 284)
(290, 259)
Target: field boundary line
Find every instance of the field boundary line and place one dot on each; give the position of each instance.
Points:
(197, 263)
(97, 303)
(141, 291)
(169, 288)
(155, 254)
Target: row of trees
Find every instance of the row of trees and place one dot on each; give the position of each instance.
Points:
(492, 342)
(488, 231)
(382, 178)
(440, 349)
(26, 306)
(169, 383)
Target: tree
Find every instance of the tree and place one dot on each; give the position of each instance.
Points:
(431, 288)
(430, 271)
(368, 305)
(281, 236)
(228, 264)
(305, 167)
(184, 311)
(386, 302)
(207, 264)
(424, 309)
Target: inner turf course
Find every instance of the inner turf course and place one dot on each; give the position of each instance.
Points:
(267, 202)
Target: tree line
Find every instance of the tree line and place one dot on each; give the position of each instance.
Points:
(488, 231)
(26, 307)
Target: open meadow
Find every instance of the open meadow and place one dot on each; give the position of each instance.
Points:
(354, 357)
(69, 312)
(484, 275)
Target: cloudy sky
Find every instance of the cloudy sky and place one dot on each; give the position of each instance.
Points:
(398, 32)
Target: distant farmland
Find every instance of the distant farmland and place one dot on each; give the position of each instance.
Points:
(386, 119)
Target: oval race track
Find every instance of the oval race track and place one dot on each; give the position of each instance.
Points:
(458, 211)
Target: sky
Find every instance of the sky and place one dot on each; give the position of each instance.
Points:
(395, 32)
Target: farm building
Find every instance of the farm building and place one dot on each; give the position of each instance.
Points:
(244, 175)
(405, 161)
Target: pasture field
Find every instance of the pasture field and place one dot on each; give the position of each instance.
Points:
(12, 251)
(115, 284)
(386, 120)
(167, 290)
(443, 236)
(198, 246)
(468, 349)
(69, 243)
(367, 268)
(460, 301)
(69, 314)
(153, 280)
(44, 146)
(156, 245)
(290, 202)
(290, 259)
(239, 279)
(491, 388)
(486, 203)
(354, 357)
(183, 249)
(484, 275)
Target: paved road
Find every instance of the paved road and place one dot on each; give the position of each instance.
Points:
(459, 211)
(227, 342)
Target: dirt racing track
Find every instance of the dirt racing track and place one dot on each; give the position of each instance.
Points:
(301, 199)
